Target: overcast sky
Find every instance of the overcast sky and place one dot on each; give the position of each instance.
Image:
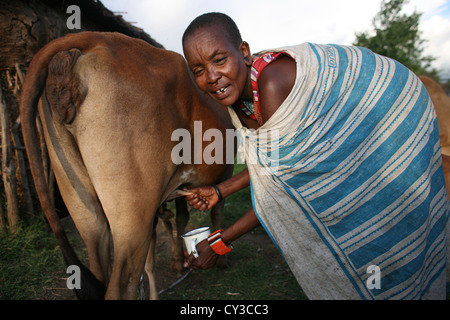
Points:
(269, 24)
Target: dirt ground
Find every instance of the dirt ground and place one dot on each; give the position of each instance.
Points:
(164, 276)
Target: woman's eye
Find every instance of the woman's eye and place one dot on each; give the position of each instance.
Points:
(221, 60)
(197, 72)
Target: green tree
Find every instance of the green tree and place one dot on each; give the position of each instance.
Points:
(396, 35)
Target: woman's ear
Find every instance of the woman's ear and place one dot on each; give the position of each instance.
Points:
(245, 49)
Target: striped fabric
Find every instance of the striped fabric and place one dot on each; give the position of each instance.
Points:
(347, 179)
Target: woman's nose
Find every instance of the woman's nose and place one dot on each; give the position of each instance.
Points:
(213, 75)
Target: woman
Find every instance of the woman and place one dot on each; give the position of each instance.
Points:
(343, 156)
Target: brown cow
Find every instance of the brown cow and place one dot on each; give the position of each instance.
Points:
(441, 102)
(109, 108)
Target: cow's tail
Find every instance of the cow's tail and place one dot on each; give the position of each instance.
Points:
(32, 89)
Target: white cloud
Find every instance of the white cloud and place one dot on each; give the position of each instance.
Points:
(435, 28)
(427, 7)
(437, 31)
(319, 21)
(267, 24)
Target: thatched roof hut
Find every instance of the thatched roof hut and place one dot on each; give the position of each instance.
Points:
(27, 25)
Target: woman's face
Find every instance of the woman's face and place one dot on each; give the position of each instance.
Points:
(220, 69)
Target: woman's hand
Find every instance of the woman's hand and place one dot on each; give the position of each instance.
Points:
(202, 198)
(206, 259)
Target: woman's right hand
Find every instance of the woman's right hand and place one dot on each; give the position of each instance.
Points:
(202, 198)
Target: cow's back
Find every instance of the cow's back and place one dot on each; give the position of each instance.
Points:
(132, 97)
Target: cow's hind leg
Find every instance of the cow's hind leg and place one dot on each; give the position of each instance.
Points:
(77, 192)
(150, 265)
(166, 216)
(132, 223)
(181, 219)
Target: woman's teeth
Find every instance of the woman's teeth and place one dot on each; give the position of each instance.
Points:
(221, 90)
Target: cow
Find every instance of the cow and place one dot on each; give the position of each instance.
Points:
(441, 102)
(109, 104)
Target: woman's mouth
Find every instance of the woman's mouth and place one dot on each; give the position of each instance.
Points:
(222, 93)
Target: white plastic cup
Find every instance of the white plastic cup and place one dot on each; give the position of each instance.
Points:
(191, 238)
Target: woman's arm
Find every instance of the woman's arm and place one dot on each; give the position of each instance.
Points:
(275, 84)
(235, 183)
(246, 223)
(204, 198)
(207, 258)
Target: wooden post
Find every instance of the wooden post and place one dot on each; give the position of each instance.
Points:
(8, 169)
(2, 218)
(19, 150)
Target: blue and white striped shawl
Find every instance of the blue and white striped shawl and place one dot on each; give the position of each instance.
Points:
(347, 178)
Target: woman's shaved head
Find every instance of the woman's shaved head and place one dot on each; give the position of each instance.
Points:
(215, 19)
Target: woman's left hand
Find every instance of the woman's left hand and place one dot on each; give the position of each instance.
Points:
(207, 258)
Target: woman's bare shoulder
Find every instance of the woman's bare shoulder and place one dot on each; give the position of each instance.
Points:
(275, 83)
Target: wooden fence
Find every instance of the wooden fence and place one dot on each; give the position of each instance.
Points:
(17, 194)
